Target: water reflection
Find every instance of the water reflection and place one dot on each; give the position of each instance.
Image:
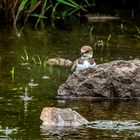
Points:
(32, 84)
(26, 98)
(107, 110)
(115, 125)
(101, 129)
(7, 132)
(108, 120)
(62, 132)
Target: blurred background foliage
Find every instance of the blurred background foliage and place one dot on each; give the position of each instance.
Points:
(37, 11)
(21, 11)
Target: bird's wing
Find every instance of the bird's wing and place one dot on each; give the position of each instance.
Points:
(74, 65)
(94, 61)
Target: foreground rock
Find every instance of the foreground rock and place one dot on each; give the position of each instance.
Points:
(117, 79)
(61, 117)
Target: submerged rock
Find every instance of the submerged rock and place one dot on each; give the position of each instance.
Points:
(117, 79)
(59, 61)
(101, 18)
(52, 116)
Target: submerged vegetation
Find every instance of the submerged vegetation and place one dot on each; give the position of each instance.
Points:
(36, 60)
(20, 11)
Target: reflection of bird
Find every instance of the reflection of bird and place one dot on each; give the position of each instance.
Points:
(85, 60)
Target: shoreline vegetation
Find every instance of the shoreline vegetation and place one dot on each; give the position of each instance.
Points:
(21, 11)
(42, 12)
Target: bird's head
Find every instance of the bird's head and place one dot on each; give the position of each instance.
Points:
(86, 52)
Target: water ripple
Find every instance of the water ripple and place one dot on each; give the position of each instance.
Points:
(115, 125)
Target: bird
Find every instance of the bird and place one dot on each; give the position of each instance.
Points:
(85, 60)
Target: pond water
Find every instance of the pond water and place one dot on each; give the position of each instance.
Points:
(27, 83)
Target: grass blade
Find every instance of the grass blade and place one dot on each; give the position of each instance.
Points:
(73, 2)
(13, 72)
(67, 3)
(22, 5)
(38, 16)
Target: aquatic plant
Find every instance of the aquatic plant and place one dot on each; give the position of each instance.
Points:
(25, 59)
(36, 60)
(107, 42)
(13, 72)
(45, 7)
(100, 44)
(18, 11)
(91, 36)
(71, 7)
(122, 27)
(28, 8)
(138, 32)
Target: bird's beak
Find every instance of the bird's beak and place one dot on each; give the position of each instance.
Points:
(83, 53)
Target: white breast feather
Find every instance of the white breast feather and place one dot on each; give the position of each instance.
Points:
(83, 66)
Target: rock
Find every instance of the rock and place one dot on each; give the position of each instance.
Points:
(59, 61)
(101, 18)
(52, 116)
(117, 79)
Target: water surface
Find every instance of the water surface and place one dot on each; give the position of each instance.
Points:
(34, 84)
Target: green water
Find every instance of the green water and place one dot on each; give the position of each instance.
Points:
(19, 116)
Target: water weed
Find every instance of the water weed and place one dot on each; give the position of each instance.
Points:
(138, 32)
(36, 60)
(91, 36)
(13, 72)
(25, 58)
(107, 42)
(99, 44)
